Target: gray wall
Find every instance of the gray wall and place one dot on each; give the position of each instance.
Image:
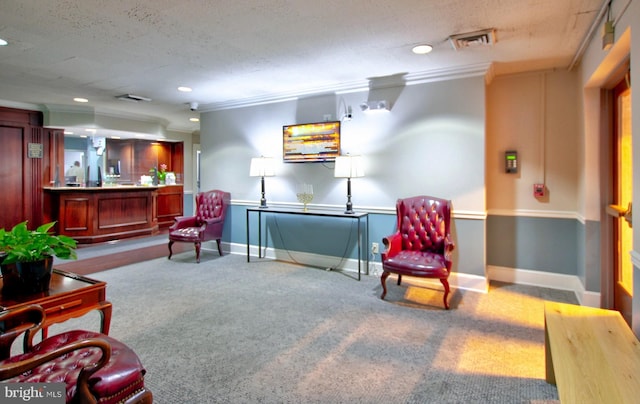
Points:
(431, 142)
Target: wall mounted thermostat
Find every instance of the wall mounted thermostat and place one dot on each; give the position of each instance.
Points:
(511, 162)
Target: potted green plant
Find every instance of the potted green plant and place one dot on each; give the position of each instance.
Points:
(26, 257)
(160, 174)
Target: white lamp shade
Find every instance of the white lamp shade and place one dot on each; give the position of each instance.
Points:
(262, 167)
(349, 167)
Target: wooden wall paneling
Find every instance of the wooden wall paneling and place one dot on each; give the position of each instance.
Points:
(12, 116)
(139, 157)
(22, 176)
(163, 151)
(170, 203)
(177, 161)
(34, 174)
(145, 157)
(12, 175)
(52, 167)
(18, 171)
(128, 155)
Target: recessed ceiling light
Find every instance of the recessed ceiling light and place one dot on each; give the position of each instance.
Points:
(185, 89)
(3, 42)
(78, 99)
(422, 49)
(194, 119)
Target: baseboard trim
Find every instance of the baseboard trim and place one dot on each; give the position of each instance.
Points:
(545, 279)
(457, 280)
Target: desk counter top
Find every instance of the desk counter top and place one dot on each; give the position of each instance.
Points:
(109, 188)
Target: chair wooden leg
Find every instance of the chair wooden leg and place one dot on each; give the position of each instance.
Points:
(399, 279)
(445, 283)
(219, 248)
(141, 397)
(170, 251)
(383, 281)
(197, 244)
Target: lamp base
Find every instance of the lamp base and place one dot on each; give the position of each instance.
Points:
(349, 210)
(263, 199)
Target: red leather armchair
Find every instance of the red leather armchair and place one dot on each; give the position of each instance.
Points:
(207, 224)
(96, 368)
(421, 245)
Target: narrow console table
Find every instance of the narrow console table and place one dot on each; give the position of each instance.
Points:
(362, 219)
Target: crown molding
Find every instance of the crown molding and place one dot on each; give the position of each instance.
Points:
(456, 72)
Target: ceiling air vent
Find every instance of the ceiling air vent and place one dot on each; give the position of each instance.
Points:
(133, 98)
(486, 37)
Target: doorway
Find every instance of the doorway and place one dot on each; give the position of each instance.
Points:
(622, 170)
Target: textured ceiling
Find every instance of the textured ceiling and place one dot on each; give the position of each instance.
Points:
(235, 51)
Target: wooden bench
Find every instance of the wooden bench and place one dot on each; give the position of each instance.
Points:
(591, 355)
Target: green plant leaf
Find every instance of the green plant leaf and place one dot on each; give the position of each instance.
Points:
(24, 245)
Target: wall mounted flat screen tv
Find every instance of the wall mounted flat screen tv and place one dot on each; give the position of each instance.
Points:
(311, 142)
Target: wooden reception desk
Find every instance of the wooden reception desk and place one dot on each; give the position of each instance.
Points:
(98, 214)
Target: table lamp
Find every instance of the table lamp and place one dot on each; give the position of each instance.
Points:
(262, 167)
(349, 167)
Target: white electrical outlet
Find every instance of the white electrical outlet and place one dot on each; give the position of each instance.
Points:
(374, 248)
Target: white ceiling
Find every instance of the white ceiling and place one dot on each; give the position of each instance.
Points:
(239, 51)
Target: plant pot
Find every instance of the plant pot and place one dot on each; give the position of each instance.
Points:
(26, 278)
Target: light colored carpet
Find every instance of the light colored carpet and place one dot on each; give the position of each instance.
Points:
(228, 331)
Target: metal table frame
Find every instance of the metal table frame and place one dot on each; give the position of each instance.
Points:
(360, 217)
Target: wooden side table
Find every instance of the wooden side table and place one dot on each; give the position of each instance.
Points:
(69, 296)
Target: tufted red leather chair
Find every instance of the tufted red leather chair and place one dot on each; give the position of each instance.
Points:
(421, 245)
(207, 224)
(95, 367)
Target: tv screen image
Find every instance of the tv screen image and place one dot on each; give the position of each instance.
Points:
(311, 142)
